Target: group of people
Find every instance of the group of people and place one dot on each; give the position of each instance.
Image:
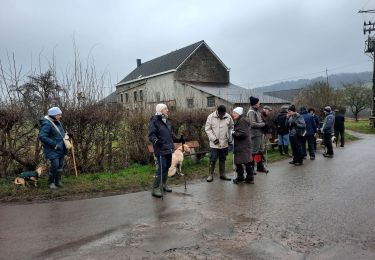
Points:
(245, 135)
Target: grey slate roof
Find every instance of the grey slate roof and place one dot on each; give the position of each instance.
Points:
(111, 98)
(235, 94)
(161, 64)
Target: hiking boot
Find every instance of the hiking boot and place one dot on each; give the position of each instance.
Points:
(249, 180)
(156, 191)
(328, 155)
(312, 158)
(52, 186)
(292, 162)
(222, 171)
(298, 164)
(238, 180)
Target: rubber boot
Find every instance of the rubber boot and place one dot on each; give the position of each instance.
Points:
(222, 171)
(253, 165)
(58, 179)
(165, 186)
(156, 192)
(286, 150)
(281, 150)
(211, 170)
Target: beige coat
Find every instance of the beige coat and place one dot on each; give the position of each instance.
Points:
(220, 129)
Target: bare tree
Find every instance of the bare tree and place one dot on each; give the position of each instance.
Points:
(358, 97)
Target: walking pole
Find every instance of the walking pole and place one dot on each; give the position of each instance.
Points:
(265, 147)
(74, 159)
(182, 137)
(161, 178)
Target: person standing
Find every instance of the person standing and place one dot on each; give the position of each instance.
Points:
(339, 127)
(218, 128)
(282, 129)
(317, 124)
(162, 138)
(256, 133)
(242, 147)
(297, 127)
(328, 131)
(310, 134)
(52, 137)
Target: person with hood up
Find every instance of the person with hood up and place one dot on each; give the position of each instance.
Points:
(310, 134)
(328, 131)
(242, 147)
(256, 132)
(297, 129)
(282, 129)
(52, 137)
(162, 138)
(218, 128)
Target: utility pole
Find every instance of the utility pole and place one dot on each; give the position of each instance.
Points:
(370, 48)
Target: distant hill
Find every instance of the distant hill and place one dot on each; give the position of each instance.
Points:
(335, 80)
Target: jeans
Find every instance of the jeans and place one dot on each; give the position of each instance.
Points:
(55, 170)
(310, 139)
(283, 139)
(164, 162)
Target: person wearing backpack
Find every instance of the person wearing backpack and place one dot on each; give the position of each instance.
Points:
(52, 137)
(297, 129)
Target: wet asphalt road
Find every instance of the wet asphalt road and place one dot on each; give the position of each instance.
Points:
(322, 210)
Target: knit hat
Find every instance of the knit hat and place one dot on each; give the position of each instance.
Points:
(268, 108)
(238, 110)
(253, 101)
(302, 109)
(160, 107)
(328, 109)
(53, 111)
(292, 108)
(284, 107)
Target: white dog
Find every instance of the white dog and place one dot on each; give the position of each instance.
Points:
(321, 142)
(177, 159)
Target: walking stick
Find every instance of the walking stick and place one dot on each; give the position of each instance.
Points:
(74, 159)
(182, 137)
(161, 177)
(265, 147)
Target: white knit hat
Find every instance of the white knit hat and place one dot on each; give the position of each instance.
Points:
(160, 107)
(53, 111)
(238, 110)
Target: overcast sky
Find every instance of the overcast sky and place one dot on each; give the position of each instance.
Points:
(263, 42)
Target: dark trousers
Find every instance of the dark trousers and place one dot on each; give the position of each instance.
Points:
(164, 162)
(55, 170)
(220, 154)
(310, 140)
(296, 144)
(240, 172)
(327, 139)
(342, 136)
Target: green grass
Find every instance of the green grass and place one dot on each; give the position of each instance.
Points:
(361, 126)
(134, 178)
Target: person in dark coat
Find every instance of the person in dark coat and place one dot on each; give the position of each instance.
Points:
(162, 138)
(282, 129)
(339, 127)
(52, 137)
(317, 124)
(328, 131)
(297, 127)
(242, 147)
(310, 134)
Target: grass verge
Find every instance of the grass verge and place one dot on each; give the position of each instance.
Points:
(360, 126)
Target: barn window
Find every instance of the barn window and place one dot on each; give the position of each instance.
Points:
(157, 96)
(141, 95)
(210, 101)
(190, 102)
(122, 98)
(126, 97)
(135, 96)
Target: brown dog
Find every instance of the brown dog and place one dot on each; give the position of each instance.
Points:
(177, 159)
(30, 176)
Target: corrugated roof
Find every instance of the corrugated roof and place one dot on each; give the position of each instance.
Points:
(235, 94)
(161, 64)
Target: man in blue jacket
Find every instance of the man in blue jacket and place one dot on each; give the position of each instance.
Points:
(52, 137)
(328, 131)
(162, 138)
(310, 133)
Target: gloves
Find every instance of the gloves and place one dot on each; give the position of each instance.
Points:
(216, 142)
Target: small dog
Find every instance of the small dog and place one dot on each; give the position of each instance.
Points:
(32, 176)
(321, 141)
(177, 159)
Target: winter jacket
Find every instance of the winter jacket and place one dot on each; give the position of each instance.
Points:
(52, 140)
(339, 122)
(161, 136)
(328, 124)
(28, 175)
(220, 129)
(256, 122)
(242, 141)
(281, 123)
(297, 125)
(317, 121)
(310, 123)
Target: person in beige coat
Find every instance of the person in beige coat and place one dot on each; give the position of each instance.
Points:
(218, 128)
